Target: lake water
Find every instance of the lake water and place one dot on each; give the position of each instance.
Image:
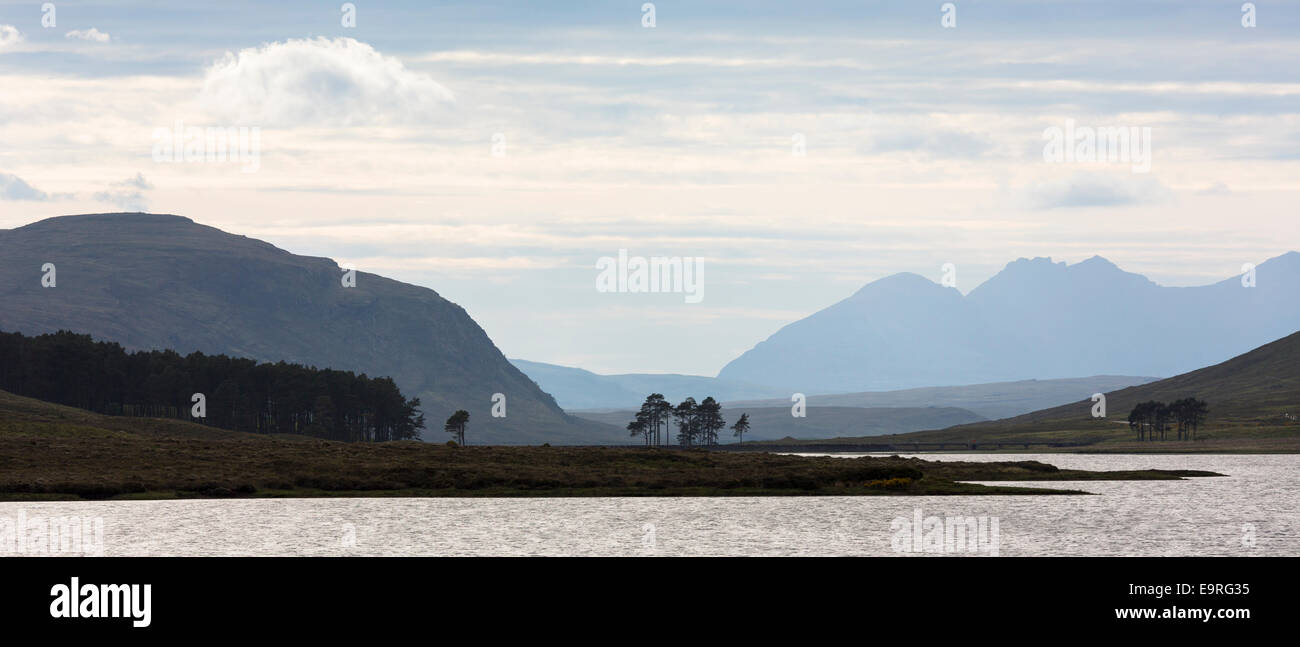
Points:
(1252, 511)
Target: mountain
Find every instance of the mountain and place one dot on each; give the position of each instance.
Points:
(152, 281)
(772, 423)
(990, 401)
(1034, 319)
(575, 388)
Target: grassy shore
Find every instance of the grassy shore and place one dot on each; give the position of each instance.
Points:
(1075, 436)
(52, 452)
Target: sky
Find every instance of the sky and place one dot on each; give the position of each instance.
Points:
(496, 151)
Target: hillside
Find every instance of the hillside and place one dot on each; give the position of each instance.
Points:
(153, 281)
(991, 401)
(770, 423)
(1248, 396)
(1035, 319)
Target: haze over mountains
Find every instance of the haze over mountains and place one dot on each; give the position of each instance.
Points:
(1034, 320)
(990, 401)
(575, 388)
(159, 281)
(773, 423)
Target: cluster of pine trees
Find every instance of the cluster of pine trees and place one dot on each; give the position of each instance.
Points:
(239, 394)
(697, 424)
(1151, 419)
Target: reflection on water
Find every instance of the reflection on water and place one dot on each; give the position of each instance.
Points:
(1253, 511)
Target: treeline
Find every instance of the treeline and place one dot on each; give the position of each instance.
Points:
(1151, 419)
(238, 394)
(697, 424)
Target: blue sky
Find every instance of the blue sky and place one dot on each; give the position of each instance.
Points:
(923, 145)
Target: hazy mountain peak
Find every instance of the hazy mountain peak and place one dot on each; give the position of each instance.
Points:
(894, 283)
(1036, 318)
(1096, 260)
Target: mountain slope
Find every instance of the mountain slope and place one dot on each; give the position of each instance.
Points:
(1262, 383)
(153, 281)
(991, 401)
(1248, 396)
(575, 388)
(1033, 320)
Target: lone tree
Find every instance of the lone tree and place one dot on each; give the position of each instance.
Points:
(456, 425)
(741, 426)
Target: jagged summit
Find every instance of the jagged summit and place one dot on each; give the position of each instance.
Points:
(1035, 319)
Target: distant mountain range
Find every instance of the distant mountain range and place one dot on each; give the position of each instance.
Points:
(578, 389)
(877, 413)
(989, 401)
(774, 423)
(164, 282)
(1034, 319)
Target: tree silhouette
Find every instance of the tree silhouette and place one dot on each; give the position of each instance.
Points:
(709, 420)
(741, 426)
(641, 426)
(1152, 418)
(697, 423)
(242, 395)
(686, 427)
(456, 425)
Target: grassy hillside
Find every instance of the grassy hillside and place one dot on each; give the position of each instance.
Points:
(54, 452)
(152, 282)
(1248, 397)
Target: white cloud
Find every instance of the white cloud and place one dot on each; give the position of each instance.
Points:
(1097, 190)
(13, 187)
(92, 34)
(130, 196)
(318, 82)
(9, 35)
(137, 182)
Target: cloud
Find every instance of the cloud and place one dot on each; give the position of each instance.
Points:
(942, 143)
(129, 195)
(92, 34)
(1218, 188)
(13, 187)
(9, 35)
(338, 82)
(1090, 190)
(138, 182)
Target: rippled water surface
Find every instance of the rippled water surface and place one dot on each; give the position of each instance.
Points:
(1252, 511)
